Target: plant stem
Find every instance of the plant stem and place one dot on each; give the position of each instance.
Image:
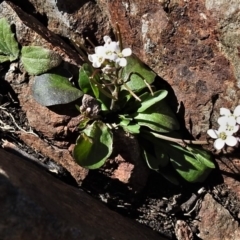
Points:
(115, 95)
(79, 50)
(101, 89)
(177, 140)
(131, 92)
(119, 37)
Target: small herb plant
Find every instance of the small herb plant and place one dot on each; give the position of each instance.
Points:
(117, 91)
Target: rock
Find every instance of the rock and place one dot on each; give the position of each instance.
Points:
(230, 168)
(226, 15)
(183, 231)
(56, 124)
(216, 222)
(130, 164)
(53, 125)
(30, 31)
(59, 155)
(181, 41)
(72, 20)
(35, 205)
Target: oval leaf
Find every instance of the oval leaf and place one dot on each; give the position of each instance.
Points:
(187, 166)
(202, 156)
(158, 117)
(148, 100)
(37, 60)
(136, 72)
(132, 128)
(93, 146)
(182, 160)
(166, 171)
(83, 79)
(8, 44)
(52, 89)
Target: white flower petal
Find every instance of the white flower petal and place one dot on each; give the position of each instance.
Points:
(231, 141)
(100, 50)
(219, 144)
(121, 62)
(113, 57)
(107, 39)
(222, 128)
(91, 57)
(222, 121)
(235, 128)
(126, 52)
(96, 64)
(114, 47)
(238, 120)
(225, 111)
(236, 112)
(231, 121)
(213, 133)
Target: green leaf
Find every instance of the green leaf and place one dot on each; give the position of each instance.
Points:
(151, 160)
(94, 146)
(52, 89)
(148, 100)
(8, 44)
(83, 80)
(161, 155)
(135, 72)
(155, 155)
(131, 128)
(183, 161)
(202, 156)
(83, 123)
(187, 166)
(90, 87)
(83, 146)
(4, 58)
(159, 117)
(154, 164)
(37, 60)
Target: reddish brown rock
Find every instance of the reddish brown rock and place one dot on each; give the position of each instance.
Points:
(180, 41)
(230, 168)
(59, 155)
(216, 222)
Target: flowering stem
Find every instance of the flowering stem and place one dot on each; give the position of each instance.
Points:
(101, 89)
(177, 140)
(91, 43)
(79, 50)
(149, 87)
(119, 36)
(115, 95)
(131, 92)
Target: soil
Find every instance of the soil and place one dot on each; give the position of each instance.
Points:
(160, 205)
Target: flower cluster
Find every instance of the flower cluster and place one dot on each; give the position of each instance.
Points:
(228, 127)
(108, 54)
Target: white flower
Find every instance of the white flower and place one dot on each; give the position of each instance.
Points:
(223, 136)
(99, 57)
(109, 51)
(114, 52)
(110, 47)
(228, 117)
(121, 60)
